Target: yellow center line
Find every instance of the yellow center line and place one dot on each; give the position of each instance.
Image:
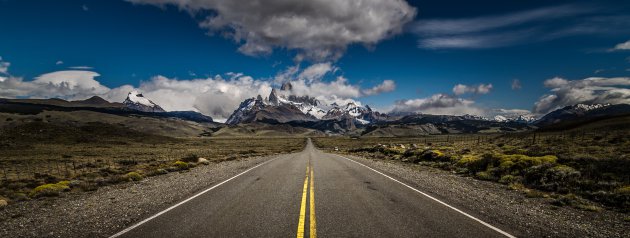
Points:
(313, 223)
(300, 230)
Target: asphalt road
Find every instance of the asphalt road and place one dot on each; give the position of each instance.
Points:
(311, 193)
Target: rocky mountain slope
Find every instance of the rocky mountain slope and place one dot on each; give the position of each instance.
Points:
(137, 101)
(282, 107)
(570, 116)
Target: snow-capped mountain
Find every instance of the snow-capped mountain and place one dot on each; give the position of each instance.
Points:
(514, 118)
(280, 106)
(136, 101)
(277, 110)
(474, 117)
(583, 112)
(351, 109)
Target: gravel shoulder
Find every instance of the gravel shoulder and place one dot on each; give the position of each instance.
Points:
(504, 208)
(113, 208)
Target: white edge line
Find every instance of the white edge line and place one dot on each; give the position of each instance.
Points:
(435, 199)
(182, 202)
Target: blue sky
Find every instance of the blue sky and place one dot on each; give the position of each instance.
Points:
(433, 47)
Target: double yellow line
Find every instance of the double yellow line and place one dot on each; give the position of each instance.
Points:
(312, 222)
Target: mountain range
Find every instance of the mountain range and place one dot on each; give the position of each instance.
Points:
(283, 111)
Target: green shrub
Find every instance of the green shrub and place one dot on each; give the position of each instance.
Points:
(484, 176)
(475, 163)
(508, 179)
(50, 190)
(181, 165)
(517, 162)
(434, 155)
(133, 176)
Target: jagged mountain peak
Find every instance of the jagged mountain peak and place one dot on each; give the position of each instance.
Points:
(273, 98)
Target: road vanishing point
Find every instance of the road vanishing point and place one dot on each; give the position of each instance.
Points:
(311, 194)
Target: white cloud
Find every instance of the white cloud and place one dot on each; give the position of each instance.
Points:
(69, 84)
(318, 29)
(85, 8)
(4, 66)
(310, 82)
(588, 91)
(516, 84)
(438, 104)
(59, 62)
(446, 104)
(623, 46)
(384, 87)
(460, 89)
(214, 96)
(317, 71)
(518, 28)
(555, 82)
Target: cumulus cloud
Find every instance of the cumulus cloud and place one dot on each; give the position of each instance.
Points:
(318, 29)
(555, 82)
(384, 87)
(516, 84)
(438, 104)
(215, 96)
(588, 91)
(69, 84)
(448, 104)
(460, 89)
(623, 46)
(518, 28)
(310, 81)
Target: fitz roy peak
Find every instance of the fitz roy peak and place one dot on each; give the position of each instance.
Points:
(136, 101)
(283, 107)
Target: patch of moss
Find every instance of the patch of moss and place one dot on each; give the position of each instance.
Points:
(50, 190)
(181, 165)
(133, 176)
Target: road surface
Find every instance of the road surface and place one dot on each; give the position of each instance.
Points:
(310, 194)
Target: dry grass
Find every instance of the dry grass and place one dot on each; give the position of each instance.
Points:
(89, 165)
(592, 165)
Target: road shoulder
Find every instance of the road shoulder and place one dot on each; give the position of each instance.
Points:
(113, 208)
(494, 203)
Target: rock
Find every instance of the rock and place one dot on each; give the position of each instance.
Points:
(3, 203)
(203, 161)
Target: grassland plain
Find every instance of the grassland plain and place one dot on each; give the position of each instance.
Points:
(32, 167)
(585, 170)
